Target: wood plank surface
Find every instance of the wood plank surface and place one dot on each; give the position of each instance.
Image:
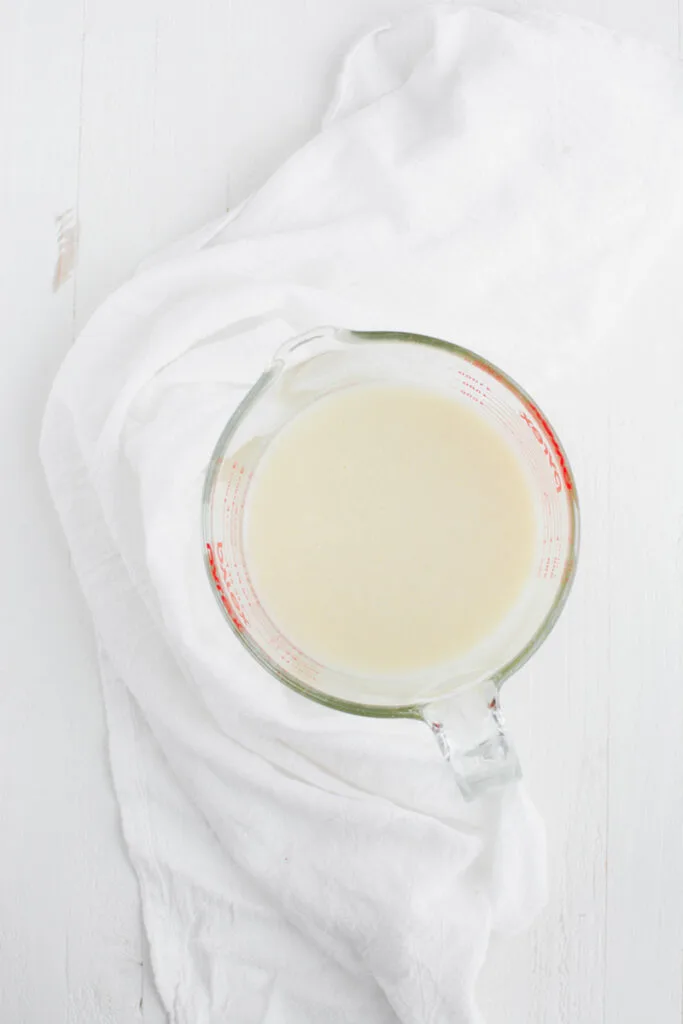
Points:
(123, 125)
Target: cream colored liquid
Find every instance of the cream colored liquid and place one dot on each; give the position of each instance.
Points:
(388, 529)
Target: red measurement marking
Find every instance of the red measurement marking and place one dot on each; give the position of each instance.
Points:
(550, 563)
(491, 372)
(231, 608)
(472, 387)
(475, 380)
(553, 465)
(554, 443)
(566, 475)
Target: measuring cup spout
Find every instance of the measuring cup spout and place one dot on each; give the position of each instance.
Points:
(468, 727)
(304, 346)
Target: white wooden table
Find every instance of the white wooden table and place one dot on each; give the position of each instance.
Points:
(124, 124)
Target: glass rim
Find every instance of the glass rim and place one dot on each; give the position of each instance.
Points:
(414, 709)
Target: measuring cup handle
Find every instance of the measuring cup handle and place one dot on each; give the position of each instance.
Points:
(469, 730)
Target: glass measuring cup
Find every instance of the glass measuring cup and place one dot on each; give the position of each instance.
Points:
(459, 700)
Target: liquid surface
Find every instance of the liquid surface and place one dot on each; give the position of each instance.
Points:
(388, 529)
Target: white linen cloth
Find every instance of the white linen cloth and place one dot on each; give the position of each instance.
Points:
(501, 182)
